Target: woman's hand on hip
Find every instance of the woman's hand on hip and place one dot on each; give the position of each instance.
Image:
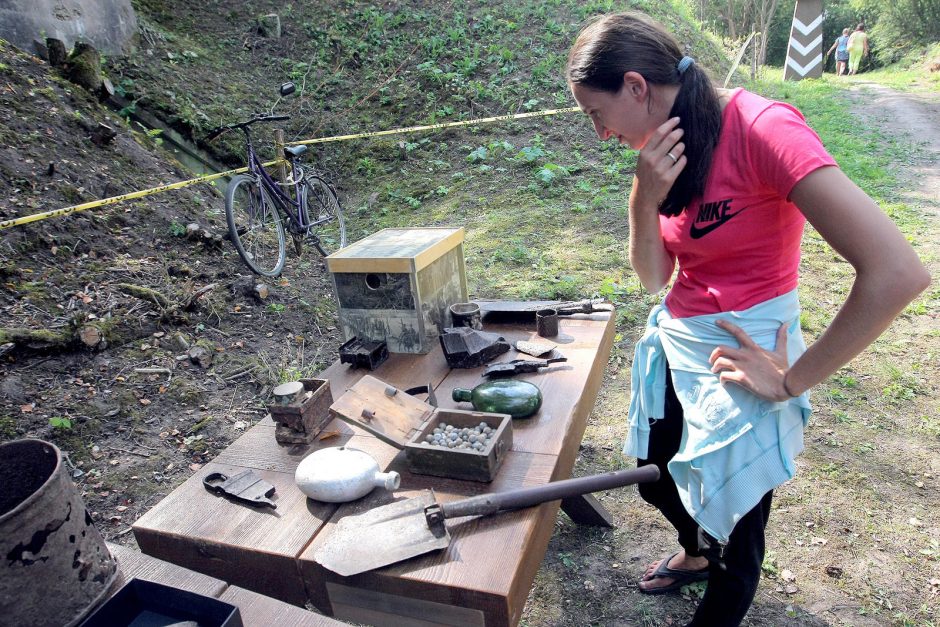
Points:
(659, 164)
(761, 372)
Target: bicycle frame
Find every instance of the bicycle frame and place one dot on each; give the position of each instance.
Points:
(296, 220)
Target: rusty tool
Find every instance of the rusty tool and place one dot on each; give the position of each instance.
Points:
(411, 527)
(246, 487)
(516, 366)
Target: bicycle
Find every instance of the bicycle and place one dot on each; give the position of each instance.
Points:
(257, 209)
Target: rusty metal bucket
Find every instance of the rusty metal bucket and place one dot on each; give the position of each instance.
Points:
(55, 565)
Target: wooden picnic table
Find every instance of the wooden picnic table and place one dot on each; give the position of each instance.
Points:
(482, 578)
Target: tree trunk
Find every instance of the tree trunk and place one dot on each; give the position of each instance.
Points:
(765, 15)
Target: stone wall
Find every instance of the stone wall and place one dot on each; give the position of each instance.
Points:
(109, 25)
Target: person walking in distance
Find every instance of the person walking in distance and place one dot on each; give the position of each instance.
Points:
(725, 181)
(841, 47)
(858, 48)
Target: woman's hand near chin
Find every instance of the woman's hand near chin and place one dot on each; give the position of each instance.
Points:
(658, 165)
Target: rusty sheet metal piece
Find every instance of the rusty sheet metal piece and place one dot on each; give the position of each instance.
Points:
(361, 353)
(246, 487)
(414, 526)
(468, 348)
(517, 366)
(382, 536)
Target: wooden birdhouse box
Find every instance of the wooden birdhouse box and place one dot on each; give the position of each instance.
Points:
(397, 284)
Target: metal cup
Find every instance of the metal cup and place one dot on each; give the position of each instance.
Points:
(288, 393)
(546, 322)
(466, 315)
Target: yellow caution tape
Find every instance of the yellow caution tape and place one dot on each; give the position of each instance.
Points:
(5, 224)
(116, 199)
(431, 127)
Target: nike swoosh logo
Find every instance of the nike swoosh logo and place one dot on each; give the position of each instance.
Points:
(697, 233)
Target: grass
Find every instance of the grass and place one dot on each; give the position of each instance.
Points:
(912, 74)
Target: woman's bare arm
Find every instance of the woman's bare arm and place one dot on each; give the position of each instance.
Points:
(655, 174)
(888, 276)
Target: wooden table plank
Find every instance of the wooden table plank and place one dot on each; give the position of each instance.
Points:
(248, 546)
(257, 609)
(568, 388)
(133, 564)
(252, 547)
(483, 569)
(400, 369)
(258, 450)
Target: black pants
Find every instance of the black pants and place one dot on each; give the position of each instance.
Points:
(733, 573)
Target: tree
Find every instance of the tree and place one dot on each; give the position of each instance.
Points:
(899, 26)
(764, 10)
(735, 19)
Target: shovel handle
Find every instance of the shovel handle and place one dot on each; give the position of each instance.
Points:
(492, 503)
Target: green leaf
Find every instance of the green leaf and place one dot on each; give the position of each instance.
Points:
(57, 422)
(480, 154)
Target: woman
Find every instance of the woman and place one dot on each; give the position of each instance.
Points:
(725, 181)
(858, 48)
(841, 47)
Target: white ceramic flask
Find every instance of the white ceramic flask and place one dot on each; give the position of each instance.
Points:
(340, 474)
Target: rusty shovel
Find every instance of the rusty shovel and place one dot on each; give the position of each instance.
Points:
(411, 527)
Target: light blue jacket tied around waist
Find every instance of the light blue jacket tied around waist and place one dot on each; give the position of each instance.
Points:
(735, 446)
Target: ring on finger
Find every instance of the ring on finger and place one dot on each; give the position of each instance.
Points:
(673, 157)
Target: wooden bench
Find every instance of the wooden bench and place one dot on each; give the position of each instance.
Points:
(256, 609)
(485, 575)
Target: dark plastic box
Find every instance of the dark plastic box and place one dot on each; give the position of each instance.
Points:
(142, 603)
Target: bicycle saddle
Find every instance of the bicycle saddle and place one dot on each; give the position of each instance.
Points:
(294, 151)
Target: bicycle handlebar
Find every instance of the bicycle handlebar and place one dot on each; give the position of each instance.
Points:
(261, 118)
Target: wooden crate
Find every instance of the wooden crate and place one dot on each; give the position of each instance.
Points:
(397, 284)
(299, 423)
(403, 421)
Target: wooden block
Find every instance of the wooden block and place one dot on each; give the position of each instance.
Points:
(302, 422)
(257, 609)
(587, 510)
(378, 608)
(135, 564)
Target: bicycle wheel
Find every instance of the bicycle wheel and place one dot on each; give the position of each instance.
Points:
(328, 233)
(254, 226)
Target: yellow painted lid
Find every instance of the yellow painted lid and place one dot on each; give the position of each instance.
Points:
(396, 250)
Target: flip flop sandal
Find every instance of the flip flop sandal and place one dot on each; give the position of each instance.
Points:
(680, 576)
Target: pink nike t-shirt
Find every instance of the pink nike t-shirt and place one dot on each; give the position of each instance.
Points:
(739, 244)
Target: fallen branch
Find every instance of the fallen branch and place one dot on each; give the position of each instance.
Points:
(144, 293)
(37, 339)
(166, 371)
(191, 303)
(122, 450)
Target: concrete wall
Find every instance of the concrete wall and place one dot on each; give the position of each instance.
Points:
(109, 25)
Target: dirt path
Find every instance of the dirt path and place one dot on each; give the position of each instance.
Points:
(916, 118)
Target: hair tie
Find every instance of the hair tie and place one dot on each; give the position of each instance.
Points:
(684, 64)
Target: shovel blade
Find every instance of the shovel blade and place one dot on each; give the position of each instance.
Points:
(381, 536)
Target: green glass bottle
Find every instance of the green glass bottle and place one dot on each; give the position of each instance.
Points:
(519, 399)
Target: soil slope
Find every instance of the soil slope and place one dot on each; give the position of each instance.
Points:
(167, 387)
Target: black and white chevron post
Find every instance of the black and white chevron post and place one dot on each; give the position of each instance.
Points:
(805, 51)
